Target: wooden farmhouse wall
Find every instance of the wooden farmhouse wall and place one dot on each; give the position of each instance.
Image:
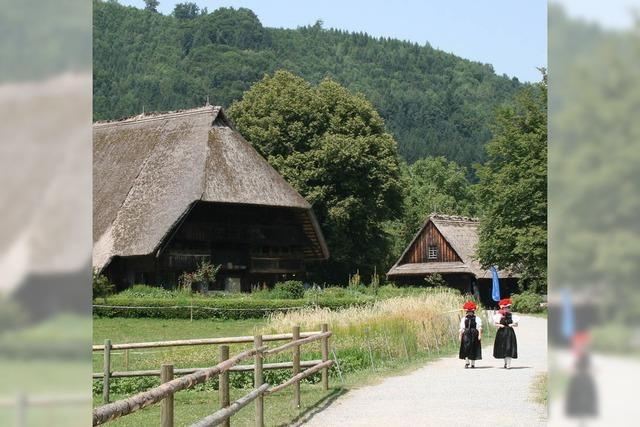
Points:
(419, 250)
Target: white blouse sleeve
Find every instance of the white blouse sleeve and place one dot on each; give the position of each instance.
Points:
(478, 322)
(496, 318)
(515, 318)
(462, 324)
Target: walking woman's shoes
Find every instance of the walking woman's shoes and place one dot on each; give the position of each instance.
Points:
(466, 366)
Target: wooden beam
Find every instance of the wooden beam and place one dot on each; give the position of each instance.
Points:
(141, 400)
(300, 376)
(219, 417)
(202, 341)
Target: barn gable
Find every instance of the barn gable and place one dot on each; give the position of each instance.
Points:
(430, 246)
(452, 241)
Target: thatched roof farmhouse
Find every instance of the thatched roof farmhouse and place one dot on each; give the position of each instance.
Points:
(174, 189)
(446, 245)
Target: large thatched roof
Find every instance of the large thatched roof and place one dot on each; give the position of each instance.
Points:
(149, 170)
(462, 234)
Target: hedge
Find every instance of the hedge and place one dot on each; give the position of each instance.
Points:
(211, 308)
(527, 302)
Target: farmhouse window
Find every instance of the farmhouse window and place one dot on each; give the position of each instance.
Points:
(433, 252)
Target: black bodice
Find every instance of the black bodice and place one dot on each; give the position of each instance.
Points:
(506, 319)
(470, 321)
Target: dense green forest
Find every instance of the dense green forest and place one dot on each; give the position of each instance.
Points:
(433, 103)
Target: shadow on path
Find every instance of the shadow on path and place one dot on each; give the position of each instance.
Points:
(317, 407)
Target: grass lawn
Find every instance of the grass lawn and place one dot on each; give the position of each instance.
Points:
(191, 406)
(122, 330)
(371, 343)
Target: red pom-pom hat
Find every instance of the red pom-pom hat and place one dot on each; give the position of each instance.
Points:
(505, 302)
(469, 306)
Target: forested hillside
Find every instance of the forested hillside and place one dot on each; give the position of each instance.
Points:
(434, 103)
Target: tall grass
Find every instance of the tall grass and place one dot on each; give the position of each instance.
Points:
(387, 332)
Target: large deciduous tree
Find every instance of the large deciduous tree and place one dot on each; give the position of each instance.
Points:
(513, 189)
(332, 146)
(432, 185)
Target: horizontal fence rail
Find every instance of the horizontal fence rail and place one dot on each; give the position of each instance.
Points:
(308, 339)
(300, 376)
(126, 406)
(191, 376)
(220, 416)
(201, 341)
(183, 371)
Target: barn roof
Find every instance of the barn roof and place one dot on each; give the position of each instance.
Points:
(148, 171)
(462, 234)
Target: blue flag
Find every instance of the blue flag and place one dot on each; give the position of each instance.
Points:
(568, 316)
(495, 290)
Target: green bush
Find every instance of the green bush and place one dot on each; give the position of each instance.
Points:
(356, 289)
(335, 292)
(291, 289)
(142, 291)
(211, 308)
(527, 302)
(434, 280)
(102, 288)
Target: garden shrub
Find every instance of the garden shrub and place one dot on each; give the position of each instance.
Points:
(102, 288)
(527, 302)
(212, 308)
(290, 289)
(335, 292)
(356, 289)
(142, 291)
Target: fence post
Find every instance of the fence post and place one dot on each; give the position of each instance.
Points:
(166, 408)
(296, 366)
(325, 357)
(257, 381)
(106, 370)
(223, 386)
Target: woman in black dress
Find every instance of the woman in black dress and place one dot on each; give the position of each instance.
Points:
(470, 335)
(506, 345)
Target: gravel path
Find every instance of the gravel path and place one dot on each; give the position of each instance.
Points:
(444, 393)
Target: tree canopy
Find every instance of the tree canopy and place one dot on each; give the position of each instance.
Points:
(332, 146)
(432, 185)
(434, 103)
(513, 189)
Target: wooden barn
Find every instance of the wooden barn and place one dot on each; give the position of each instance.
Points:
(446, 245)
(172, 190)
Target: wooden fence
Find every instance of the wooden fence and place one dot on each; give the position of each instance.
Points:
(192, 376)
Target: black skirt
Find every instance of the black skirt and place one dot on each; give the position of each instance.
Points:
(506, 344)
(470, 346)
